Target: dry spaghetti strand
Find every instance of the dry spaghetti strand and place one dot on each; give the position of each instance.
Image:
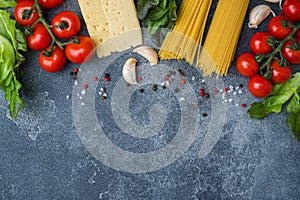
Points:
(223, 36)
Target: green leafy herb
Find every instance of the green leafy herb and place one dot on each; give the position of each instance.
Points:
(285, 93)
(157, 14)
(7, 3)
(12, 42)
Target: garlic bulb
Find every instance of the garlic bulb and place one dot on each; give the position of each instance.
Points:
(147, 52)
(275, 1)
(129, 72)
(259, 14)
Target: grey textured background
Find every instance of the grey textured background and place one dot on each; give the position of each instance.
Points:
(42, 156)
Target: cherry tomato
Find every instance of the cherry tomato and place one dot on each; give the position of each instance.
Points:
(280, 74)
(297, 35)
(259, 43)
(22, 15)
(81, 52)
(291, 55)
(65, 24)
(259, 86)
(54, 62)
(291, 9)
(40, 38)
(50, 3)
(247, 65)
(276, 28)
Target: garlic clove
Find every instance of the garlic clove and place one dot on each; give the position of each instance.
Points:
(129, 71)
(147, 52)
(259, 14)
(275, 1)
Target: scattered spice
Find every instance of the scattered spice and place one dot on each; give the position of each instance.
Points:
(154, 87)
(142, 90)
(216, 91)
(104, 97)
(76, 70)
(164, 87)
(85, 86)
(182, 81)
(226, 89)
(139, 78)
(204, 114)
(206, 95)
(241, 85)
(176, 90)
(95, 78)
(180, 72)
(107, 77)
(244, 105)
(202, 92)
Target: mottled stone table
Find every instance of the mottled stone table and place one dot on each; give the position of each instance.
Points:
(49, 153)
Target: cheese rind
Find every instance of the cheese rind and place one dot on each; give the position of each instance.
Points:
(113, 25)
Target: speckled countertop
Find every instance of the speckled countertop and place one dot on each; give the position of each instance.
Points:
(68, 144)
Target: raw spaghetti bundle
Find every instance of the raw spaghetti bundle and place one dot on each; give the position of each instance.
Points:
(222, 38)
(183, 41)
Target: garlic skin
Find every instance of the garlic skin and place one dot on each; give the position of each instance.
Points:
(147, 52)
(129, 72)
(259, 14)
(275, 1)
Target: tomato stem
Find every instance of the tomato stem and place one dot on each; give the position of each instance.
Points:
(265, 70)
(47, 26)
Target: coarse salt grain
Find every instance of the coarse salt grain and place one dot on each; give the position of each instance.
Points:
(82, 104)
(75, 82)
(193, 78)
(83, 92)
(68, 97)
(240, 91)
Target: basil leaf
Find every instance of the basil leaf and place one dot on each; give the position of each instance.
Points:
(12, 42)
(294, 122)
(294, 104)
(257, 111)
(7, 4)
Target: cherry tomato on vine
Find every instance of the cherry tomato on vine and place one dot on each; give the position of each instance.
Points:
(53, 62)
(40, 38)
(247, 65)
(297, 35)
(259, 86)
(81, 52)
(280, 74)
(23, 15)
(291, 52)
(259, 43)
(291, 9)
(65, 24)
(279, 28)
(50, 3)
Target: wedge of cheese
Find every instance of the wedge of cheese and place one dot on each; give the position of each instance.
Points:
(112, 24)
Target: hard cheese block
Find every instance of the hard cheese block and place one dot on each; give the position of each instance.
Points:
(113, 25)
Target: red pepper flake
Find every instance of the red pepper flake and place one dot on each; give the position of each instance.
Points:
(85, 86)
(139, 78)
(106, 78)
(226, 89)
(202, 92)
(182, 81)
(76, 70)
(95, 78)
(244, 105)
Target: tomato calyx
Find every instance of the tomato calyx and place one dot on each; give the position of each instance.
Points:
(295, 45)
(265, 60)
(63, 25)
(27, 13)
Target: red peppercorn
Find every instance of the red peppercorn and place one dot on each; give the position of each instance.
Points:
(95, 78)
(216, 91)
(202, 92)
(244, 105)
(106, 78)
(85, 86)
(76, 70)
(139, 78)
(182, 81)
(226, 89)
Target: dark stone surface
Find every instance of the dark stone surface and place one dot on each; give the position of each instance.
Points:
(43, 157)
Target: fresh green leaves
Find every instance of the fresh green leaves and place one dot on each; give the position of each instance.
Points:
(286, 93)
(7, 3)
(12, 42)
(157, 13)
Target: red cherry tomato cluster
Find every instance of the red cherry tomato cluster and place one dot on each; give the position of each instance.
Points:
(273, 51)
(46, 37)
